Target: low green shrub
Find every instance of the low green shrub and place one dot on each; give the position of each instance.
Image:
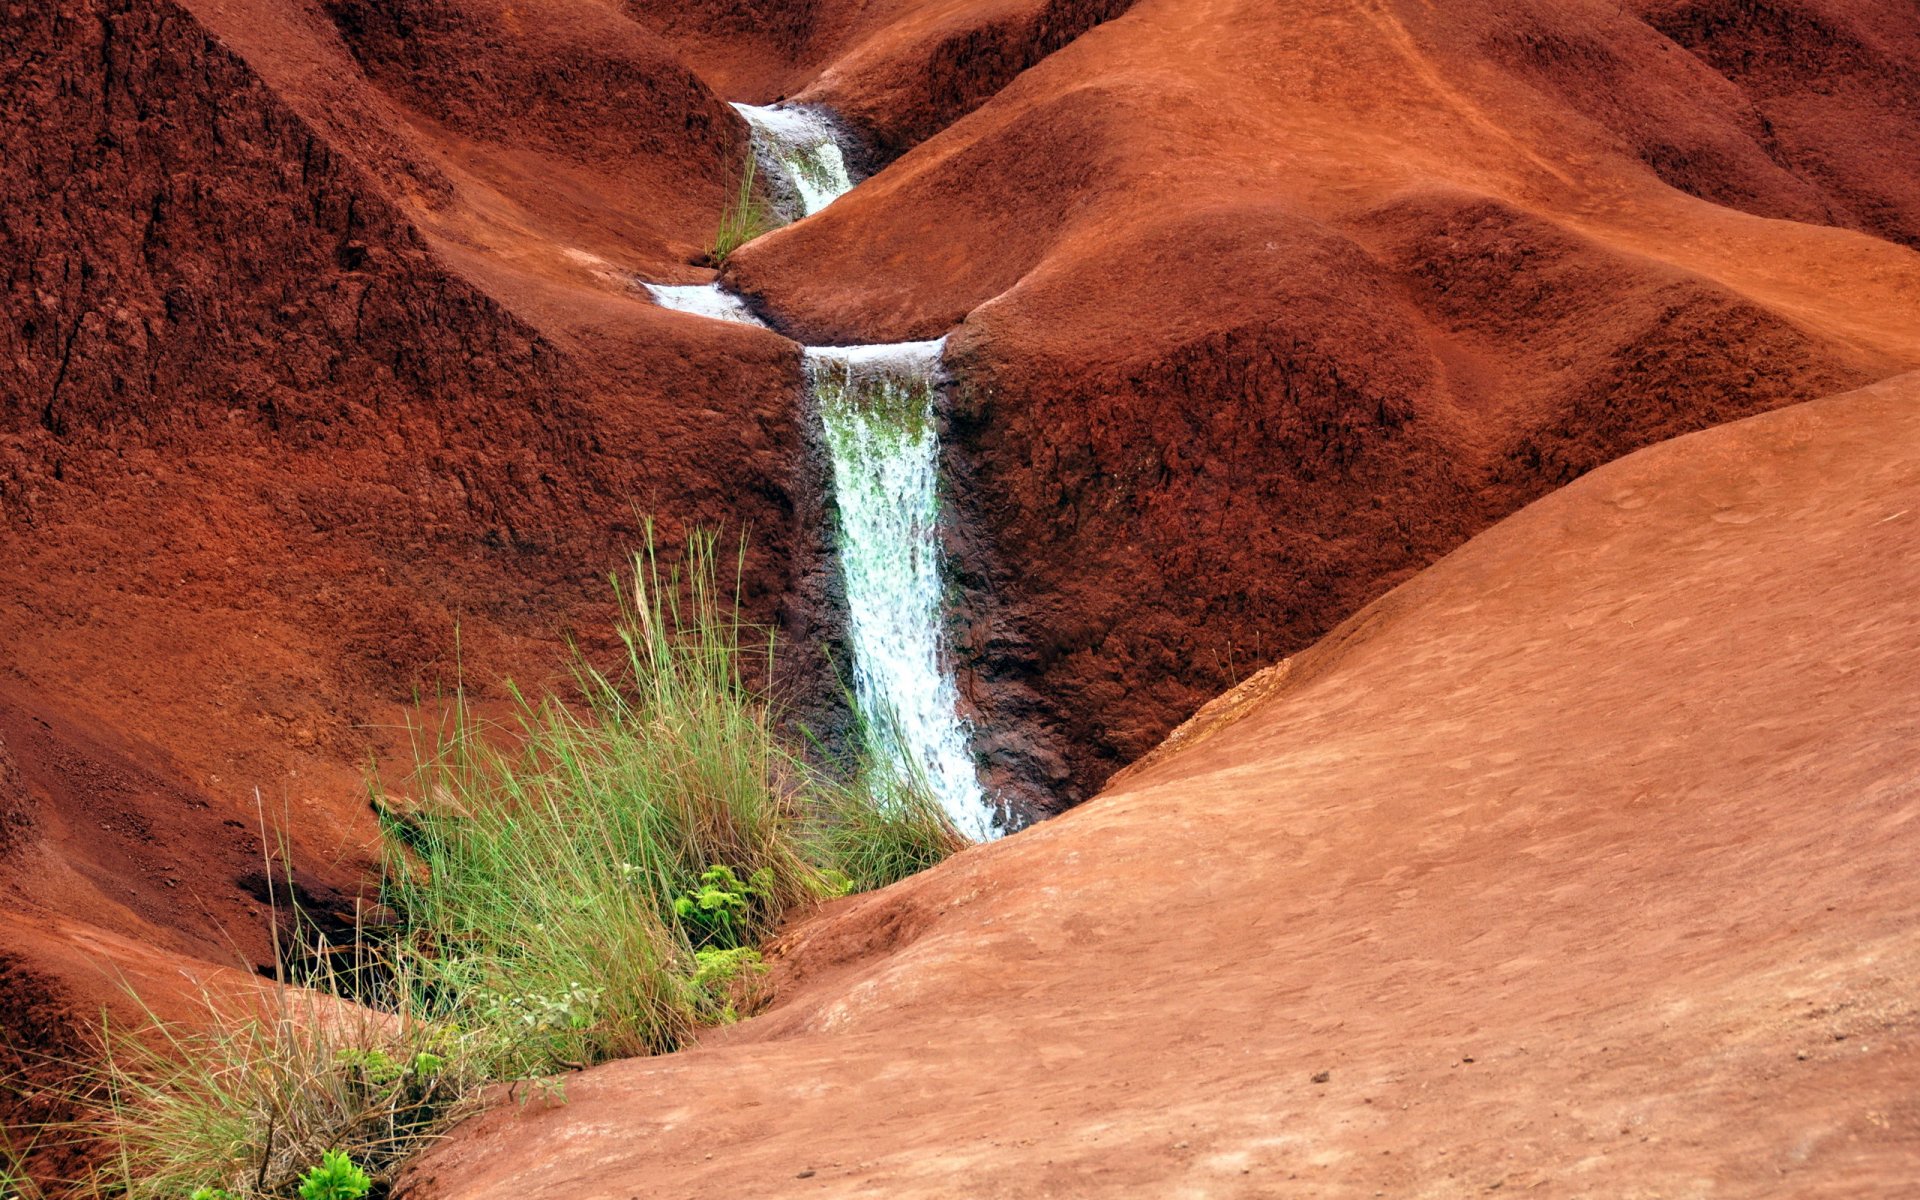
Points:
(336, 1178)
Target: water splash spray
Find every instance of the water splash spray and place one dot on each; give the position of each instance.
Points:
(703, 300)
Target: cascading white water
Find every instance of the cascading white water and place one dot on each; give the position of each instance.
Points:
(800, 151)
(876, 403)
(876, 407)
(703, 300)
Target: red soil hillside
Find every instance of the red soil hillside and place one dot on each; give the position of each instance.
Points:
(896, 71)
(1580, 864)
(323, 370)
(1262, 306)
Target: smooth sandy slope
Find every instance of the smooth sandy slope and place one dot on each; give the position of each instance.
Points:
(1582, 865)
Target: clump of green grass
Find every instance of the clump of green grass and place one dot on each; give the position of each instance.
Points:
(588, 883)
(559, 880)
(744, 216)
(885, 829)
(546, 884)
(257, 1092)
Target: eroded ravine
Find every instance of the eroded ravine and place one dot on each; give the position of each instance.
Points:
(876, 407)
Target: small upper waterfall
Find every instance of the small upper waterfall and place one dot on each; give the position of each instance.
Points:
(876, 403)
(799, 150)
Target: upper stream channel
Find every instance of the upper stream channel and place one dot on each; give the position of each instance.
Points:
(876, 409)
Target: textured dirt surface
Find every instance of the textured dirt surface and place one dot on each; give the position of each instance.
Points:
(324, 379)
(322, 376)
(1259, 307)
(1580, 864)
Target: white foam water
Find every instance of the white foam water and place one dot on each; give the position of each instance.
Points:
(801, 150)
(703, 300)
(876, 403)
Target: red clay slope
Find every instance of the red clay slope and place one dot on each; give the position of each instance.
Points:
(1581, 864)
(895, 71)
(322, 375)
(1262, 306)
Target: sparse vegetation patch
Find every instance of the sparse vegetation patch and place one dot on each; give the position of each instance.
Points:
(588, 884)
(744, 217)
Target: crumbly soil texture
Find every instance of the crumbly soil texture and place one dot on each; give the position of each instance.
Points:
(327, 385)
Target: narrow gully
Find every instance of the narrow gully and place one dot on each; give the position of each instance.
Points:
(876, 407)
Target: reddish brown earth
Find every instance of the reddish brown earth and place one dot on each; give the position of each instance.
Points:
(1263, 306)
(324, 379)
(1581, 864)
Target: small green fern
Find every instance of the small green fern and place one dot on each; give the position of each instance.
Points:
(336, 1178)
(719, 911)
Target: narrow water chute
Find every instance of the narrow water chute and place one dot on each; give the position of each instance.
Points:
(876, 405)
(801, 151)
(703, 300)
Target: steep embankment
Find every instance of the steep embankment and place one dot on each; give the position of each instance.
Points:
(1581, 861)
(1263, 306)
(322, 375)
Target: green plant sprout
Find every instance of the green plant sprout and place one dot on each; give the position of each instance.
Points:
(719, 911)
(336, 1178)
(744, 217)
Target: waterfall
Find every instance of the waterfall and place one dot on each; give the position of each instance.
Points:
(876, 408)
(703, 300)
(799, 151)
(876, 404)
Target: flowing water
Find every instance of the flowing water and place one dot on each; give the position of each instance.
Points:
(703, 300)
(799, 150)
(876, 404)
